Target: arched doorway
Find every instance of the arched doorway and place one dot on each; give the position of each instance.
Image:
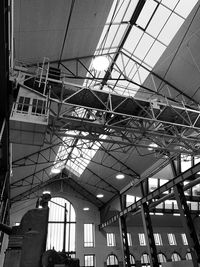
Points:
(62, 223)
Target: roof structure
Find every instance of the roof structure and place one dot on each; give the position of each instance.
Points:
(136, 117)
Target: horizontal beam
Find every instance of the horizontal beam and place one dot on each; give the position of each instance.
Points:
(155, 194)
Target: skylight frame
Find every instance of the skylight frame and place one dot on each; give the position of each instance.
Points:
(120, 22)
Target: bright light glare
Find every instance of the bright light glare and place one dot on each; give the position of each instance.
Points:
(152, 146)
(120, 176)
(55, 171)
(86, 208)
(100, 195)
(100, 63)
(46, 192)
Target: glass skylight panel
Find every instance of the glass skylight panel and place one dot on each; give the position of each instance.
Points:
(158, 21)
(170, 29)
(131, 7)
(133, 39)
(154, 53)
(145, 43)
(146, 14)
(184, 7)
(171, 4)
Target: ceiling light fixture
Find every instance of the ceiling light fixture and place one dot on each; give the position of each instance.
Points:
(100, 195)
(120, 176)
(86, 208)
(100, 63)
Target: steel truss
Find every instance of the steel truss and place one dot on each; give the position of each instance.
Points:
(135, 207)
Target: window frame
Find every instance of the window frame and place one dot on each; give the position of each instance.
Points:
(89, 237)
(93, 260)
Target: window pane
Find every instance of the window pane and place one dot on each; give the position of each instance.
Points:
(112, 260)
(89, 260)
(111, 240)
(142, 239)
(184, 239)
(88, 235)
(172, 239)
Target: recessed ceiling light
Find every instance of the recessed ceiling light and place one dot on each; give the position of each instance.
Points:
(55, 171)
(100, 63)
(100, 195)
(86, 208)
(120, 176)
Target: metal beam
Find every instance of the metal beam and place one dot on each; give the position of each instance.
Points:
(155, 194)
(188, 225)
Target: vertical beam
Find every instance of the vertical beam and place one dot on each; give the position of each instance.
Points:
(4, 112)
(148, 229)
(123, 235)
(188, 225)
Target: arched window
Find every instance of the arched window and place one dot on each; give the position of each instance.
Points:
(175, 257)
(132, 260)
(112, 261)
(145, 261)
(188, 256)
(161, 258)
(62, 222)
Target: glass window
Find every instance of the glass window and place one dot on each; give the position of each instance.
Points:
(171, 239)
(23, 104)
(184, 239)
(88, 235)
(38, 106)
(145, 261)
(158, 239)
(132, 260)
(142, 239)
(89, 260)
(161, 259)
(188, 256)
(176, 257)
(112, 260)
(111, 240)
(129, 239)
(57, 226)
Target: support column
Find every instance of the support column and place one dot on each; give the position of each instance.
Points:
(148, 229)
(4, 116)
(188, 224)
(123, 235)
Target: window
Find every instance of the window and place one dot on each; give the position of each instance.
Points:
(176, 257)
(145, 261)
(132, 260)
(89, 260)
(57, 225)
(172, 239)
(158, 239)
(188, 256)
(38, 107)
(129, 239)
(23, 104)
(111, 240)
(161, 259)
(142, 239)
(184, 239)
(88, 235)
(112, 260)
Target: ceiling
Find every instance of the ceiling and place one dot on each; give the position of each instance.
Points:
(102, 123)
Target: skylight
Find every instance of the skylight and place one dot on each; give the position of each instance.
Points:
(148, 38)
